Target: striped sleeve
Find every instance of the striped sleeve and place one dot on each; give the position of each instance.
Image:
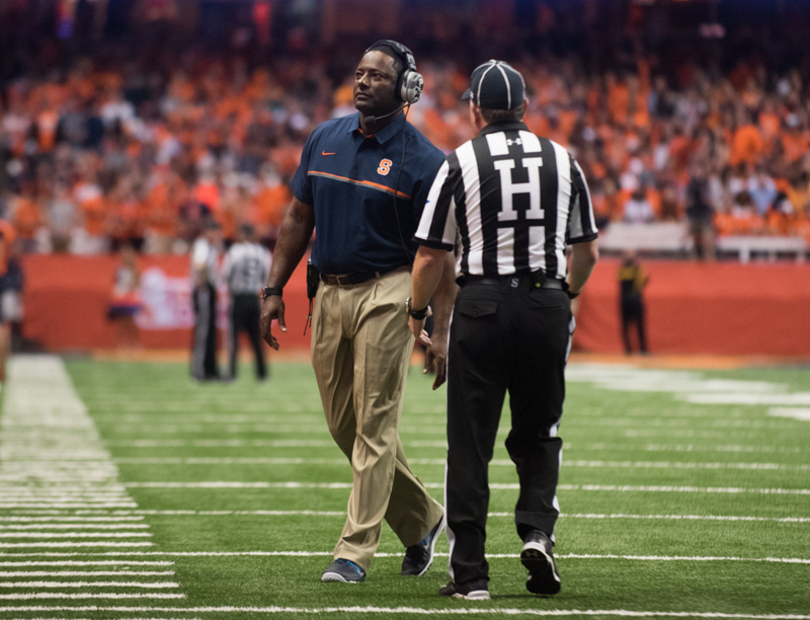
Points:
(437, 228)
(582, 225)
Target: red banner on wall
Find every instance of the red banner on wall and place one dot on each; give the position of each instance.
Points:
(722, 308)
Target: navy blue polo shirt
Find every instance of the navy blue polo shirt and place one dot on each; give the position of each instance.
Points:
(350, 180)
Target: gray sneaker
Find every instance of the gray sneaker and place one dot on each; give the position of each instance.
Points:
(418, 557)
(344, 571)
(539, 560)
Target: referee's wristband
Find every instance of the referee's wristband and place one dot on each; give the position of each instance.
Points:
(571, 295)
(268, 291)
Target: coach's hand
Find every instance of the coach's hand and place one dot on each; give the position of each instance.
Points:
(272, 310)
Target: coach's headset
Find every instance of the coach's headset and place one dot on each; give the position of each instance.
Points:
(410, 82)
(408, 90)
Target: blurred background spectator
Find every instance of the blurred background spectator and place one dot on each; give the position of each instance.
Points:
(128, 122)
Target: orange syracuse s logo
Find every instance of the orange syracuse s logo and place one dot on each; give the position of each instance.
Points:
(385, 167)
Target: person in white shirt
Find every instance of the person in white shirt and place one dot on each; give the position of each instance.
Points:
(204, 261)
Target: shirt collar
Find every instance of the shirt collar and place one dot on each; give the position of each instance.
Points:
(504, 126)
(386, 133)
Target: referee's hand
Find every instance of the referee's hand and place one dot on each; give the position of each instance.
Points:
(272, 309)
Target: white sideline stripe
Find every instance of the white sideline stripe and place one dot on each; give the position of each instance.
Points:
(619, 613)
(443, 462)
(84, 573)
(83, 595)
(89, 563)
(75, 534)
(338, 513)
(89, 584)
(437, 485)
(572, 556)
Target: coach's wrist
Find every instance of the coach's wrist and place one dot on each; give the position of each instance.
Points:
(419, 315)
(268, 291)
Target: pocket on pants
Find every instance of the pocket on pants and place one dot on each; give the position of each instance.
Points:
(477, 307)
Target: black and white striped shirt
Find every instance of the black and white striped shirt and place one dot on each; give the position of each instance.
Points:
(510, 201)
(246, 268)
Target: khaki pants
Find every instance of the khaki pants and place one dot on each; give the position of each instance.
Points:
(361, 349)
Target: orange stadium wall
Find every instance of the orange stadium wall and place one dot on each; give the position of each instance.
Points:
(722, 308)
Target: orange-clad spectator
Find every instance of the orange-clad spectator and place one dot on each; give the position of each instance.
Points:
(741, 218)
(162, 206)
(769, 124)
(795, 144)
(207, 192)
(618, 98)
(47, 121)
(799, 193)
(91, 237)
(27, 219)
(6, 241)
(270, 203)
(746, 144)
(781, 219)
(7, 237)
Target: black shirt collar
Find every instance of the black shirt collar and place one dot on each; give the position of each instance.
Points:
(504, 126)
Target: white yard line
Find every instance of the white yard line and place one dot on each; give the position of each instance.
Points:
(4, 564)
(75, 535)
(328, 553)
(72, 526)
(340, 513)
(421, 611)
(494, 485)
(160, 585)
(85, 573)
(52, 457)
(88, 595)
(597, 464)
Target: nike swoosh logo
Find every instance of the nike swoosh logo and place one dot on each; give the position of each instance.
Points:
(325, 153)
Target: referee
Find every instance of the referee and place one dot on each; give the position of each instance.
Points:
(509, 202)
(204, 260)
(246, 267)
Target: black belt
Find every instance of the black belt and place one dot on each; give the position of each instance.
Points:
(537, 278)
(348, 280)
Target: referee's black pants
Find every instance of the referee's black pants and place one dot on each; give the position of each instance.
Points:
(504, 337)
(243, 316)
(204, 343)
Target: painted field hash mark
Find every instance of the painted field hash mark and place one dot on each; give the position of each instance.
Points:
(51, 457)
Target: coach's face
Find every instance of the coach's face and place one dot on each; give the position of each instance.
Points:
(374, 83)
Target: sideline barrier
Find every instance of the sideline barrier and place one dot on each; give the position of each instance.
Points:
(720, 308)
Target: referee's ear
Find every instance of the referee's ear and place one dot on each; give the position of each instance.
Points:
(476, 118)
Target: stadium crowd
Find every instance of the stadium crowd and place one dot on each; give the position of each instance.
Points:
(97, 157)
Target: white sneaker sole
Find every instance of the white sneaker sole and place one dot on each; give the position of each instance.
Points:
(474, 595)
(337, 577)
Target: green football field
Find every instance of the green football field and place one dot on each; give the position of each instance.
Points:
(129, 491)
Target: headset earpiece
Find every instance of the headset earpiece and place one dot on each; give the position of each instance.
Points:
(410, 82)
(411, 85)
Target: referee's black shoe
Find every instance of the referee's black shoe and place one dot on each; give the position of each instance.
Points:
(539, 560)
(418, 557)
